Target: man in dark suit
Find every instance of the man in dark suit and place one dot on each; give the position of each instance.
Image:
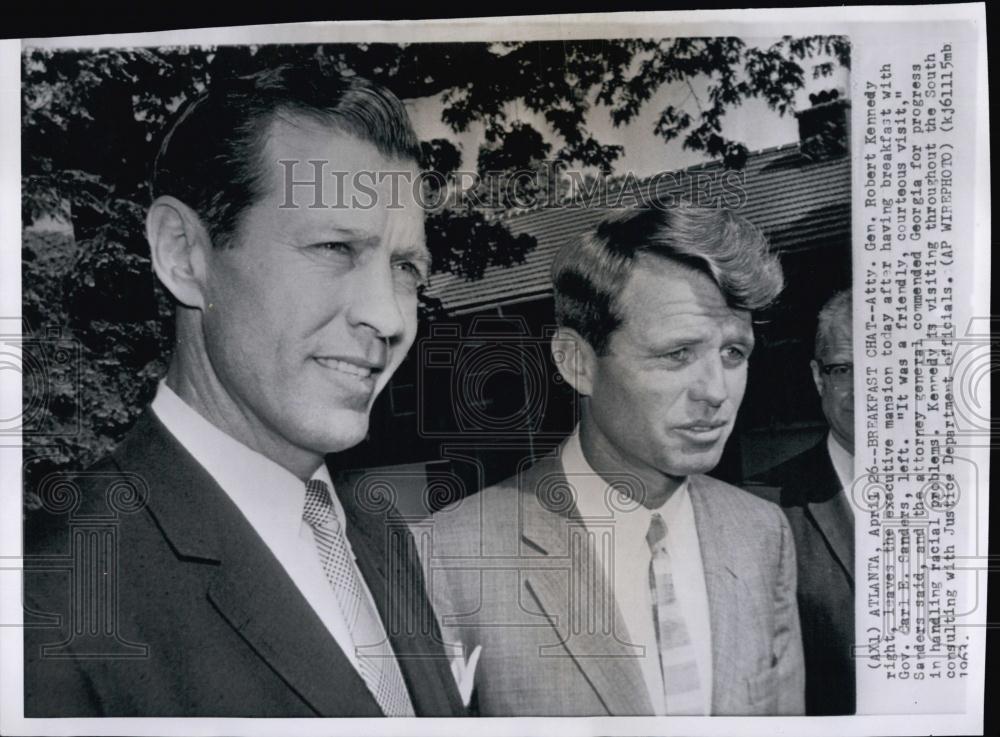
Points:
(211, 566)
(813, 488)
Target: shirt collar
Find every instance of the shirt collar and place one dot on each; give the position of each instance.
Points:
(594, 501)
(268, 495)
(843, 462)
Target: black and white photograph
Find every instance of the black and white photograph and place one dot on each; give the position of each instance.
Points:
(626, 366)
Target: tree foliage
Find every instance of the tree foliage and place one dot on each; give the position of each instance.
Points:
(92, 121)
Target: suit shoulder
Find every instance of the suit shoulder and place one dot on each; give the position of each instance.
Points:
(770, 494)
(65, 505)
(756, 531)
(498, 511)
(753, 508)
(63, 494)
(470, 509)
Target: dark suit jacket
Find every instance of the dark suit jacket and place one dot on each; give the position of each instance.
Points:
(147, 593)
(805, 487)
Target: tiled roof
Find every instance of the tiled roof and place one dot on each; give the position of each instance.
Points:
(797, 202)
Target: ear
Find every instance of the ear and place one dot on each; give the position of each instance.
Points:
(817, 375)
(575, 359)
(179, 245)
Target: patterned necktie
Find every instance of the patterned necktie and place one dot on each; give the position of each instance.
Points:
(681, 684)
(377, 664)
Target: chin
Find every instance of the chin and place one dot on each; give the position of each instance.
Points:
(340, 430)
(694, 466)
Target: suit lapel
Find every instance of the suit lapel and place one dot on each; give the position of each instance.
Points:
(721, 584)
(836, 527)
(828, 511)
(604, 657)
(261, 606)
(387, 559)
(249, 588)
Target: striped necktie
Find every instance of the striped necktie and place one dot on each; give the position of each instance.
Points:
(681, 683)
(376, 662)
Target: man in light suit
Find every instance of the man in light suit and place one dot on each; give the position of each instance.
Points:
(613, 577)
(211, 566)
(813, 489)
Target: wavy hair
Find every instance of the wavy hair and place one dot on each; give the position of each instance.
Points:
(589, 274)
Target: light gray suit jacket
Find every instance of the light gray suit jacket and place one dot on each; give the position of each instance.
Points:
(512, 569)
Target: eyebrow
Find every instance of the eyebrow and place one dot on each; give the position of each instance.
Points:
(663, 342)
(414, 253)
(354, 233)
(327, 231)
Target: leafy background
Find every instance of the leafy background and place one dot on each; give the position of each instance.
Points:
(98, 328)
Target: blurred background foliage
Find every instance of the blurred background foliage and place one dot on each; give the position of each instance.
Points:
(98, 327)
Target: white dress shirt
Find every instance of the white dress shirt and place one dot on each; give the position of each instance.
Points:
(271, 499)
(629, 570)
(843, 465)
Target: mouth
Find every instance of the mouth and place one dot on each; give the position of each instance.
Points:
(703, 432)
(361, 370)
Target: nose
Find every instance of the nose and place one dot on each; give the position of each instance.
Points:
(375, 303)
(709, 384)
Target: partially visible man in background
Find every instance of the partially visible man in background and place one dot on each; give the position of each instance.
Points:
(814, 489)
(245, 582)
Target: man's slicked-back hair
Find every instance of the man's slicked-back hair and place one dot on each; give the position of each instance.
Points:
(589, 274)
(212, 157)
(837, 315)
